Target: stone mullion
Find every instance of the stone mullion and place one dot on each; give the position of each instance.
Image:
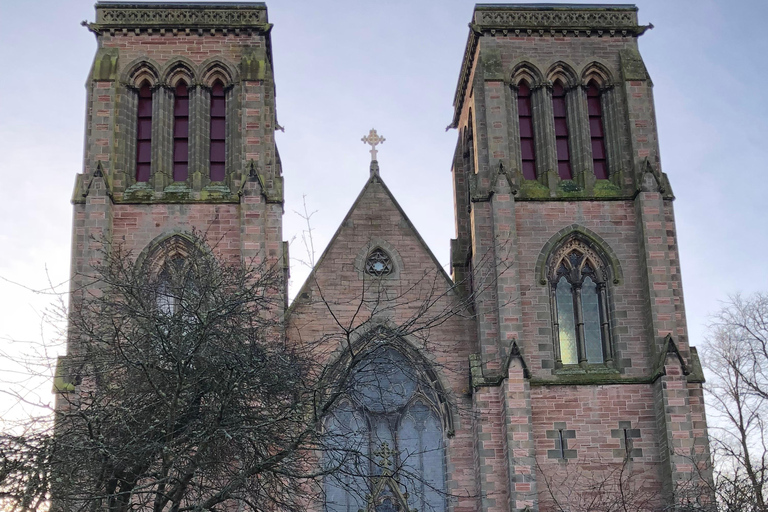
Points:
(579, 140)
(605, 327)
(555, 325)
(129, 118)
(612, 131)
(581, 346)
(162, 137)
(544, 137)
(198, 139)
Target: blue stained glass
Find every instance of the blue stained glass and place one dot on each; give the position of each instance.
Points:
(385, 382)
(590, 308)
(566, 321)
(382, 393)
(346, 488)
(421, 450)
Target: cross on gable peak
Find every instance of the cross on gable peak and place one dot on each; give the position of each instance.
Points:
(373, 139)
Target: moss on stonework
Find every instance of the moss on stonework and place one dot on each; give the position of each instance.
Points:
(568, 188)
(605, 188)
(492, 66)
(533, 189)
(138, 192)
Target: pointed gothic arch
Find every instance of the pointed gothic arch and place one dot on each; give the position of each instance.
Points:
(141, 70)
(167, 246)
(579, 275)
(213, 69)
(526, 71)
(179, 69)
(364, 255)
(387, 433)
(564, 72)
(590, 237)
(598, 72)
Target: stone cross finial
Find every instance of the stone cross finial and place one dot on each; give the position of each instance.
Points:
(373, 140)
(385, 456)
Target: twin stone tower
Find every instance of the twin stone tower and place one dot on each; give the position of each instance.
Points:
(570, 359)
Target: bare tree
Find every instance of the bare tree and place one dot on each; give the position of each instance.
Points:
(737, 361)
(181, 391)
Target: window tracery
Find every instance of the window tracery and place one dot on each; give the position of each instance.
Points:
(378, 263)
(386, 439)
(578, 278)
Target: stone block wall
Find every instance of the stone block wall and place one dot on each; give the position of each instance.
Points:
(578, 417)
(339, 302)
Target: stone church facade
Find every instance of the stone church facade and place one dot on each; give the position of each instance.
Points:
(553, 357)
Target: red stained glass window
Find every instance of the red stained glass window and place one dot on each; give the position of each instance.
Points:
(181, 133)
(218, 131)
(561, 132)
(525, 120)
(596, 131)
(144, 133)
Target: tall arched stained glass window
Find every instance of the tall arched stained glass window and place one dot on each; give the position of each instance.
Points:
(385, 440)
(578, 280)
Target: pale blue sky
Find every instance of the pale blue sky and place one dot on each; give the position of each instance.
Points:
(343, 67)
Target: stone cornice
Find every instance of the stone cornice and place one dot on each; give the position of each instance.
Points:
(557, 17)
(180, 16)
(542, 20)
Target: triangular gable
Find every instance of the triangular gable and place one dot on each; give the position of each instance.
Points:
(374, 181)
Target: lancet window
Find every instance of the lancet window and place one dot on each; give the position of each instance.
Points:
(144, 133)
(561, 131)
(218, 132)
(578, 279)
(596, 131)
(181, 132)
(525, 122)
(385, 440)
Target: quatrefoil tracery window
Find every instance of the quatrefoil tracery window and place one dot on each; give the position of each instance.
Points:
(378, 263)
(578, 278)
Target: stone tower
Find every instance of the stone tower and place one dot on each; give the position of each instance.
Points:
(553, 359)
(180, 132)
(563, 211)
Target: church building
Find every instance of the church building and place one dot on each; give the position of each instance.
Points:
(549, 368)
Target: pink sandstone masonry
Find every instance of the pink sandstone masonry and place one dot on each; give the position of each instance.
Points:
(524, 428)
